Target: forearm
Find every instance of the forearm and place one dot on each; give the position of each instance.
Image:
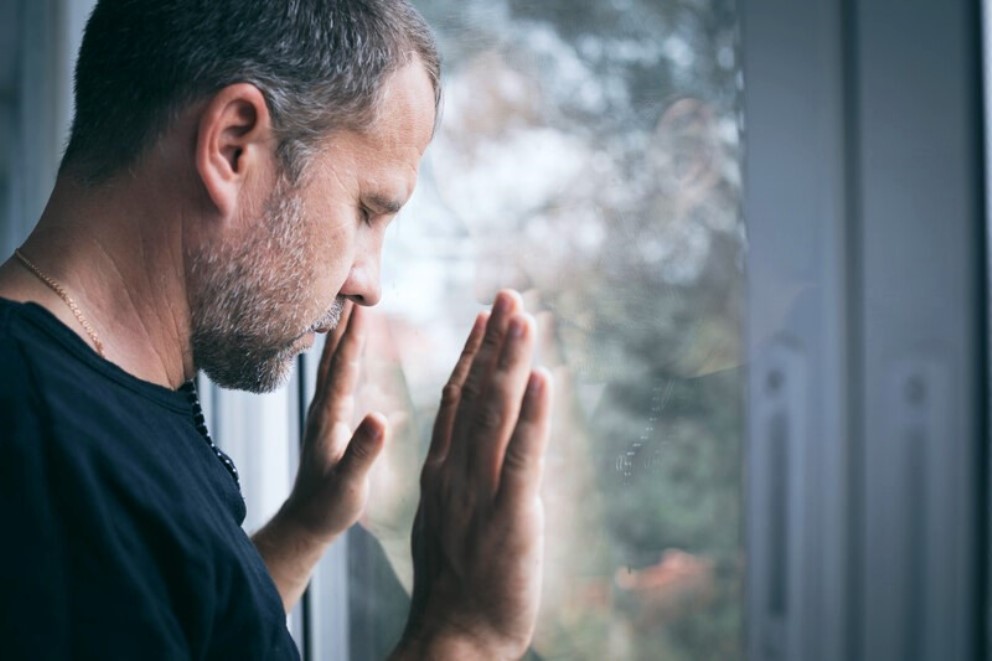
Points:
(290, 553)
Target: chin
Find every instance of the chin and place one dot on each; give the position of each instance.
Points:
(261, 375)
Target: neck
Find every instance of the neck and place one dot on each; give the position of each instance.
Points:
(119, 256)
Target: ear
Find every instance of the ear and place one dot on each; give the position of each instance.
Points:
(234, 144)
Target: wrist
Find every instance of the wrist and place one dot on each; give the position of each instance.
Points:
(287, 544)
(292, 521)
(444, 647)
(290, 552)
(443, 643)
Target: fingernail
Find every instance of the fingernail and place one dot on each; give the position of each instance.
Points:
(516, 328)
(502, 304)
(534, 385)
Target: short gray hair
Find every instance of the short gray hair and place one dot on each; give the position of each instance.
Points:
(321, 64)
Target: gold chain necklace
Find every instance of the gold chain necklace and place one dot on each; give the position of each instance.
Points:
(64, 295)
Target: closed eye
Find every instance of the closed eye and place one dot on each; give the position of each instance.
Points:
(367, 214)
(382, 205)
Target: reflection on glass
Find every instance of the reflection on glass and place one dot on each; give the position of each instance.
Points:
(589, 157)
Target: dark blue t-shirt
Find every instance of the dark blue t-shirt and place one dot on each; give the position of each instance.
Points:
(120, 529)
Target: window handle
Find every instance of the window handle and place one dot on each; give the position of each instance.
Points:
(778, 466)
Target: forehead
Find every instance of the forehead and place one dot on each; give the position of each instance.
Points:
(386, 155)
(407, 108)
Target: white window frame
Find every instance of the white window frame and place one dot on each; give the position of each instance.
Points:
(866, 326)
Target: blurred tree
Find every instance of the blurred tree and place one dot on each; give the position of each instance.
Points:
(590, 156)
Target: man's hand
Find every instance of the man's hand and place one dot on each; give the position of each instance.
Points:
(478, 536)
(332, 484)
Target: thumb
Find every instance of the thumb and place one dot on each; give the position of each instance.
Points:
(365, 446)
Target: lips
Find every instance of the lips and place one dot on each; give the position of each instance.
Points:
(326, 325)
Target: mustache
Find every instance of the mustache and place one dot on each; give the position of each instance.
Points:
(331, 318)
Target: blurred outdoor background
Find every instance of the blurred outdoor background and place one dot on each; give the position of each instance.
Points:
(588, 156)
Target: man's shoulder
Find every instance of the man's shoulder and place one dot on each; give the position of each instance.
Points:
(60, 402)
(78, 424)
(43, 361)
(18, 379)
(12, 324)
(25, 340)
(33, 363)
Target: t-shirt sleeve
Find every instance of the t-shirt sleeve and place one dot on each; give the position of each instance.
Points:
(77, 580)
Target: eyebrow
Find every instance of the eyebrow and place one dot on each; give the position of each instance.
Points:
(383, 204)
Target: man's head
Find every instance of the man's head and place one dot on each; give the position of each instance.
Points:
(261, 285)
(320, 65)
(300, 125)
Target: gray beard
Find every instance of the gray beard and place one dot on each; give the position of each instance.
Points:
(246, 301)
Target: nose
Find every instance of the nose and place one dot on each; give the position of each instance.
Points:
(362, 285)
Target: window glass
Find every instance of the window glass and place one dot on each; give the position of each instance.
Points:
(588, 156)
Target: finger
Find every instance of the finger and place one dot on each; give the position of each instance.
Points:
(507, 303)
(364, 448)
(451, 394)
(497, 415)
(332, 341)
(523, 463)
(335, 395)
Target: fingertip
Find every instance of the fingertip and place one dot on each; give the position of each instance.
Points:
(535, 405)
(522, 324)
(347, 308)
(367, 442)
(507, 302)
(539, 384)
(514, 294)
(375, 426)
(518, 326)
(333, 337)
(517, 350)
(357, 316)
(356, 332)
(478, 329)
(523, 463)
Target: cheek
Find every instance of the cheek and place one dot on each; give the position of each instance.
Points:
(332, 253)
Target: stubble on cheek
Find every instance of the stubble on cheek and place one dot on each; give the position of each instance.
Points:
(249, 303)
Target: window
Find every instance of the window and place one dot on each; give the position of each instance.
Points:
(589, 157)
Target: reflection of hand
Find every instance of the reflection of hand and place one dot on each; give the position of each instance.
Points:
(478, 536)
(332, 483)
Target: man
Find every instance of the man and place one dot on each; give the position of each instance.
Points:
(232, 167)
